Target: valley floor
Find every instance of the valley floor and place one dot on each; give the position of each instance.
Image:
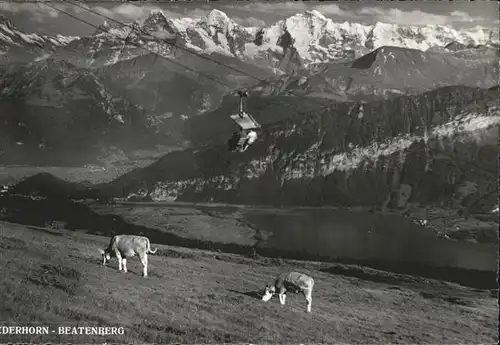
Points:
(11, 174)
(192, 296)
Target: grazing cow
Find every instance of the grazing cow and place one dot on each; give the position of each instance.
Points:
(294, 282)
(126, 246)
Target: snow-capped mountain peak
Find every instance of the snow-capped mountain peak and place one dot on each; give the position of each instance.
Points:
(5, 22)
(219, 19)
(315, 13)
(17, 46)
(10, 34)
(306, 29)
(160, 26)
(156, 18)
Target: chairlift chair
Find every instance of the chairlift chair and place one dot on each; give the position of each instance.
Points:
(247, 125)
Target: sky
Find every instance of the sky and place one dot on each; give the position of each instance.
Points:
(37, 17)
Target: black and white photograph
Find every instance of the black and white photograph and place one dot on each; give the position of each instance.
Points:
(249, 172)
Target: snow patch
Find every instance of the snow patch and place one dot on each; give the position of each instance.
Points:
(5, 38)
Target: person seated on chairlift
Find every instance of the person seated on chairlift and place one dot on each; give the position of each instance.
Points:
(251, 137)
(246, 137)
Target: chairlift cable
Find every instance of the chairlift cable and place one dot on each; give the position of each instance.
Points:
(260, 80)
(268, 127)
(170, 43)
(138, 45)
(173, 44)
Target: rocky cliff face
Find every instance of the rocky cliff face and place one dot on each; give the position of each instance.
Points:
(438, 148)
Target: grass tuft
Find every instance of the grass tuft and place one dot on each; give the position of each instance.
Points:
(59, 277)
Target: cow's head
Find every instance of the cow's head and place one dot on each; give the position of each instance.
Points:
(268, 293)
(106, 255)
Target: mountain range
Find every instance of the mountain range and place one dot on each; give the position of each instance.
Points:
(20, 47)
(99, 93)
(304, 39)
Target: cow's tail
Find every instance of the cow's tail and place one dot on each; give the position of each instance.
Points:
(150, 251)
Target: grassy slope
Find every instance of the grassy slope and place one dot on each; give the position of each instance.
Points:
(195, 296)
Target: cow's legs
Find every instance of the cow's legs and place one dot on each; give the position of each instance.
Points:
(124, 263)
(282, 298)
(282, 295)
(309, 302)
(144, 262)
(119, 258)
(308, 295)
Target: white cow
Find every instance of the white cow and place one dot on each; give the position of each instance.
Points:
(293, 282)
(126, 246)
